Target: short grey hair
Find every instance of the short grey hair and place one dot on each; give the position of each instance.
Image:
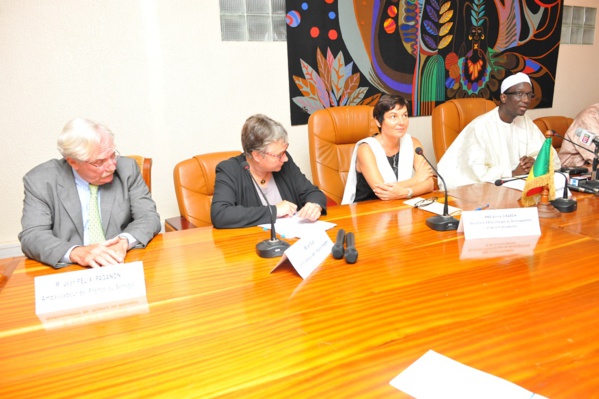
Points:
(259, 131)
(80, 137)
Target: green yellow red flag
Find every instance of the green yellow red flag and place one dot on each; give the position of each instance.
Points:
(540, 175)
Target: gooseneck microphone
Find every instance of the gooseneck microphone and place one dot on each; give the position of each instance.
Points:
(593, 183)
(580, 132)
(500, 182)
(584, 190)
(273, 247)
(556, 134)
(564, 204)
(445, 222)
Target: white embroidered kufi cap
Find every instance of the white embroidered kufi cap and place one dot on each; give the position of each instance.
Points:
(514, 80)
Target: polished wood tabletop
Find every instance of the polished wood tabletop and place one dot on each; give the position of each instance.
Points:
(219, 324)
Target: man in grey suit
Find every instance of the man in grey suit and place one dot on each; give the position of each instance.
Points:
(58, 228)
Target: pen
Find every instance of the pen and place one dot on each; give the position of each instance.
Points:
(480, 208)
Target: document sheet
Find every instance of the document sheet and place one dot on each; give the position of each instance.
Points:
(435, 376)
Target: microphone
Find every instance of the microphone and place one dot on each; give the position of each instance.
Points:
(338, 247)
(351, 253)
(554, 133)
(583, 134)
(273, 247)
(580, 133)
(564, 204)
(584, 190)
(500, 182)
(445, 222)
(592, 184)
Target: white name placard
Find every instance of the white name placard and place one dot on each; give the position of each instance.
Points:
(494, 223)
(308, 253)
(59, 292)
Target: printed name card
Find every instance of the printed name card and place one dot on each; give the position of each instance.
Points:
(307, 253)
(59, 292)
(513, 222)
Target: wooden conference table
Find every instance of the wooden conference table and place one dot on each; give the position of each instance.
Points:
(218, 324)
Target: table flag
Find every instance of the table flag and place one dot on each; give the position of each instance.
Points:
(540, 175)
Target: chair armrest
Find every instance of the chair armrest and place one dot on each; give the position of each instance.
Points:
(177, 223)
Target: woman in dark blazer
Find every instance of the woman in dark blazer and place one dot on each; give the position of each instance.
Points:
(264, 166)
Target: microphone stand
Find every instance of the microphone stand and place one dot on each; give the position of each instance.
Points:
(595, 140)
(443, 222)
(593, 183)
(564, 204)
(273, 247)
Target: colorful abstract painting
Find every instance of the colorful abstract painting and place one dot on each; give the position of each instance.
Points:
(348, 52)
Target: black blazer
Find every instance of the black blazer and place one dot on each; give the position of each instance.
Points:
(236, 203)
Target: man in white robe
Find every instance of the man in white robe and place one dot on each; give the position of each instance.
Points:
(499, 144)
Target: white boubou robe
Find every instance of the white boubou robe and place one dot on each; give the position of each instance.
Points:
(489, 149)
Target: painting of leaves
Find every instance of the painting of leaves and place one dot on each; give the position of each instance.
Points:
(428, 51)
(332, 85)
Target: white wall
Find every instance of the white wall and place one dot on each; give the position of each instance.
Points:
(157, 73)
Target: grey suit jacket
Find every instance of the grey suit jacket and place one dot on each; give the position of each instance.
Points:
(52, 221)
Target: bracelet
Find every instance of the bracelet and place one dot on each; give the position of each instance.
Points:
(409, 193)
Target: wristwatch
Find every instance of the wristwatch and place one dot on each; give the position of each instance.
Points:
(409, 193)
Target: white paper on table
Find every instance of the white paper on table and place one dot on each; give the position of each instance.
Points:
(435, 207)
(435, 376)
(515, 184)
(296, 226)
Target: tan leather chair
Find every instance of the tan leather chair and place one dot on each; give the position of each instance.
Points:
(332, 135)
(451, 117)
(145, 167)
(559, 124)
(194, 185)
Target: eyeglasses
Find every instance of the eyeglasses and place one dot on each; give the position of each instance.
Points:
(520, 94)
(100, 163)
(425, 202)
(281, 155)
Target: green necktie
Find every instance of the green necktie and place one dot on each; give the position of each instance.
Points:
(95, 232)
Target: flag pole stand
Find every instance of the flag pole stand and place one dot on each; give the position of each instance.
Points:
(546, 210)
